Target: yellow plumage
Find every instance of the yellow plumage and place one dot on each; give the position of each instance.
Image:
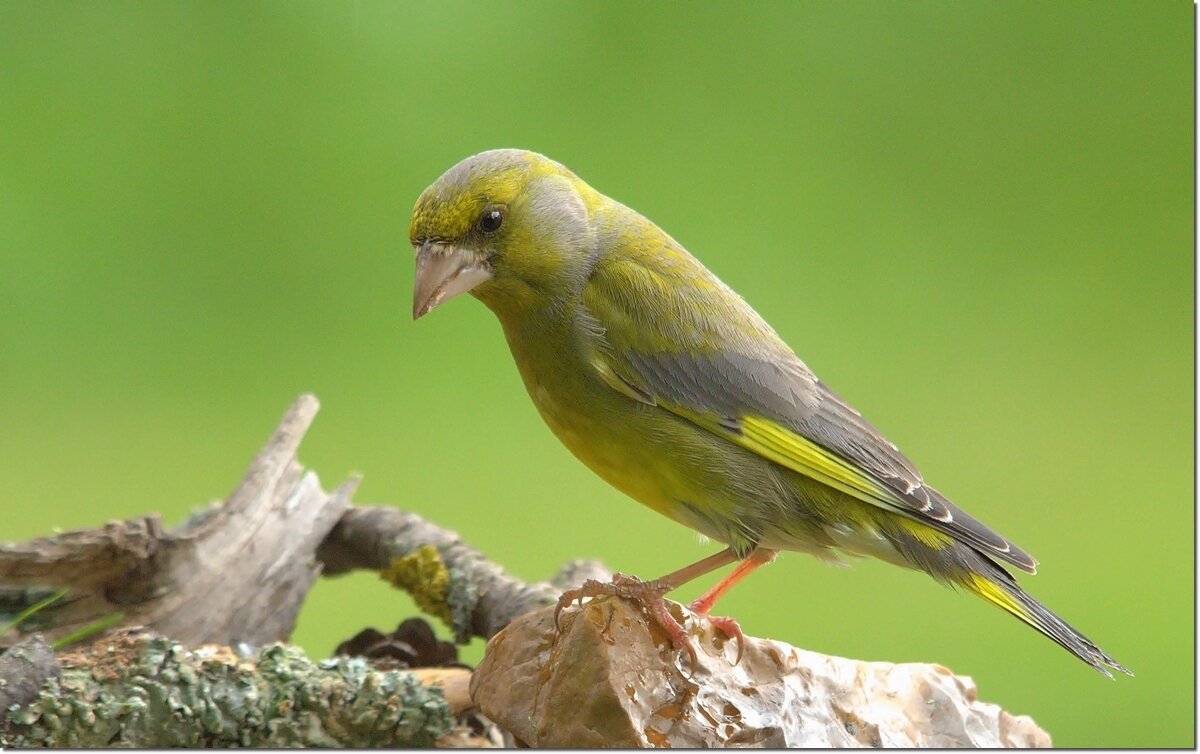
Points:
(668, 385)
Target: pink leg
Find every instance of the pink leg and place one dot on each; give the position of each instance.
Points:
(705, 602)
(650, 594)
(708, 599)
(676, 579)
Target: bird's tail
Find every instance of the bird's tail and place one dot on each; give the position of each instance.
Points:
(1001, 590)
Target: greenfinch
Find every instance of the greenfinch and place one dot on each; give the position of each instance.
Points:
(665, 383)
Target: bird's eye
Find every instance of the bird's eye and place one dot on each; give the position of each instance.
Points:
(491, 220)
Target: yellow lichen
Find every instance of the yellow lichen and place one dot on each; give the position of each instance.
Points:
(423, 575)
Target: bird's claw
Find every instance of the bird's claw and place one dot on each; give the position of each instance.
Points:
(650, 594)
(626, 587)
(732, 630)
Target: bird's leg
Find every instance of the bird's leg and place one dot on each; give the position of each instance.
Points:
(634, 588)
(705, 602)
(650, 594)
(758, 557)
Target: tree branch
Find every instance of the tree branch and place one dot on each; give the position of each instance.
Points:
(143, 690)
(235, 573)
(447, 577)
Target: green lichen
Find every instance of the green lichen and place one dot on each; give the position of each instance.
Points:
(165, 696)
(462, 594)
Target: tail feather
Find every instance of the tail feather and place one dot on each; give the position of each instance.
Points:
(1003, 592)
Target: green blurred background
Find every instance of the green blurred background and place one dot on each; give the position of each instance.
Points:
(973, 220)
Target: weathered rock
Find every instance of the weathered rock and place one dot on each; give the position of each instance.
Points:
(612, 679)
(24, 669)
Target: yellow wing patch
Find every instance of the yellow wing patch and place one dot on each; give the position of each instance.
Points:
(798, 453)
(803, 456)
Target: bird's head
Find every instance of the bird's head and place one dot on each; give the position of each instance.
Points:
(510, 226)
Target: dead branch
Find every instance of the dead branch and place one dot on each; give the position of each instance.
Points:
(475, 596)
(236, 573)
(136, 689)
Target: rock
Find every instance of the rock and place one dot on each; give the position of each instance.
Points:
(612, 679)
(24, 669)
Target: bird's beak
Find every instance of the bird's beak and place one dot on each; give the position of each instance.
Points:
(443, 272)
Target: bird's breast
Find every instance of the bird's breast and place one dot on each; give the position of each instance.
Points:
(649, 454)
(600, 427)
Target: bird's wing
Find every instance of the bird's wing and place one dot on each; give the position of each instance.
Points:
(671, 334)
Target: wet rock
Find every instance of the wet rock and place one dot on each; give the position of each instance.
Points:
(612, 679)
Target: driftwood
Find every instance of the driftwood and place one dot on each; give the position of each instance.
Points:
(235, 575)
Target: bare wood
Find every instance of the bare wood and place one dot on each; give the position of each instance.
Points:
(234, 574)
(454, 684)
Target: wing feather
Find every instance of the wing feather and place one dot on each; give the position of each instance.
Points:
(752, 389)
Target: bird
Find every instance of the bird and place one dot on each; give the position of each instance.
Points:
(668, 385)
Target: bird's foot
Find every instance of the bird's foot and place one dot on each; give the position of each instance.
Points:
(647, 593)
(650, 595)
(727, 626)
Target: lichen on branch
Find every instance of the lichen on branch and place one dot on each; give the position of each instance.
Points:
(146, 691)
